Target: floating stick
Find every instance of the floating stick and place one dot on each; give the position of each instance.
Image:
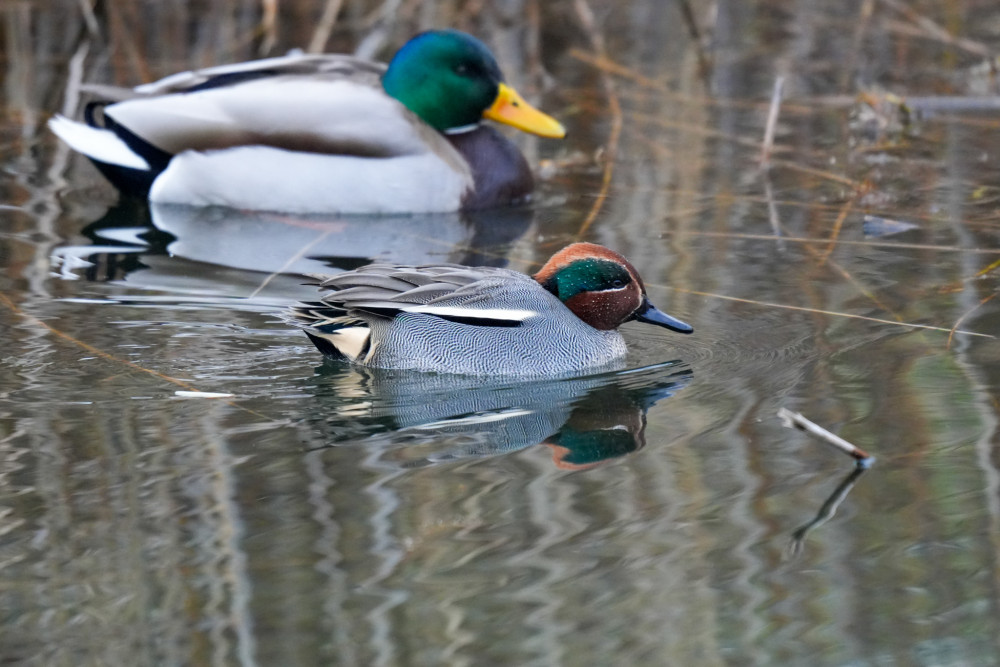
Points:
(794, 419)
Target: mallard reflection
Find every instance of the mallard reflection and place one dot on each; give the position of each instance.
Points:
(303, 244)
(179, 249)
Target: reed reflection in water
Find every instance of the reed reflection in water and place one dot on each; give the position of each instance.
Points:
(325, 516)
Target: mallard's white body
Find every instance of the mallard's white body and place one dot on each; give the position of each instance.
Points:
(273, 179)
(297, 134)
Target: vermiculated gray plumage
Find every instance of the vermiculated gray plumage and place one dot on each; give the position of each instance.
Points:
(486, 321)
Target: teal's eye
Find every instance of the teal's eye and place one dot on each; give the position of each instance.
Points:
(617, 282)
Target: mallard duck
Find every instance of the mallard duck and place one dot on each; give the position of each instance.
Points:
(321, 133)
(483, 321)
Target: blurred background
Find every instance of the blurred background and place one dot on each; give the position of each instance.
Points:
(656, 515)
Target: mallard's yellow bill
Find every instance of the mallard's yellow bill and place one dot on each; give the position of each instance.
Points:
(511, 109)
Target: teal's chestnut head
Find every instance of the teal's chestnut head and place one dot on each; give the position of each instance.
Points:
(602, 288)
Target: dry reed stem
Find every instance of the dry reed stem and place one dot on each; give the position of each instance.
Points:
(840, 242)
(966, 314)
(268, 28)
(861, 27)
(821, 173)
(325, 26)
(837, 226)
(772, 122)
(989, 269)
(749, 142)
(744, 141)
(934, 31)
(858, 285)
(96, 351)
(824, 259)
(74, 80)
(89, 19)
(122, 35)
(700, 42)
(291, 260)
(687, 128)
(710, 295)
(609, 66)
(605, 64)
(818, 311)
(961, 284)
(586, 16)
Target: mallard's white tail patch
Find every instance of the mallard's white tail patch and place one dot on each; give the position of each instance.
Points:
(96, 143)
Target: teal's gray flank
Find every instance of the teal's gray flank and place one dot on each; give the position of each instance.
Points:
(551, 341)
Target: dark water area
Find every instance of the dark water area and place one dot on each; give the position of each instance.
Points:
(657, 513)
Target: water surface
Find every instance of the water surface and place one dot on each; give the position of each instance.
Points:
(654, 514)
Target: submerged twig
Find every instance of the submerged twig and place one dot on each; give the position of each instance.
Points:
(772, 121)
(794, 419)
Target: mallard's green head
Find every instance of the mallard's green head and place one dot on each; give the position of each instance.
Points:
(602, 288)
(451, 80)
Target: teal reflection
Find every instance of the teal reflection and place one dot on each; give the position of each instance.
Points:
(423, 419)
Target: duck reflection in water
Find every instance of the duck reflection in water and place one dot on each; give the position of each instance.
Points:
(176, 248)
(305, 244)
(420, 419)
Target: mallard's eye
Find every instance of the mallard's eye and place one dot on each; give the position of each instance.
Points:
(462, 69)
